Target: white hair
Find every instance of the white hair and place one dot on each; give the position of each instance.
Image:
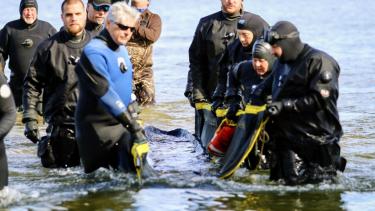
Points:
(121, 11)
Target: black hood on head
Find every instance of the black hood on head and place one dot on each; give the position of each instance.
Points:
(28, 3)
(289, 42)
(263, 50)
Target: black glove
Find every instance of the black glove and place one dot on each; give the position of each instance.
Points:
(232, 110)
(31, 131)
(218, 102)
(132, 125)
(275, 108)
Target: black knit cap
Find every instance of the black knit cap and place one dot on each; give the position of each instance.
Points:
(263, 50)
(248, 22)
(28, 3)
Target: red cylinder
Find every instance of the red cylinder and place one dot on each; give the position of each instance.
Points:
(221, 140)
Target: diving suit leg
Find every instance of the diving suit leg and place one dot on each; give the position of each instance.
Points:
(64, 147)
(3, 166)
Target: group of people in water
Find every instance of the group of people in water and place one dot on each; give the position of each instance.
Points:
(236, 60)
(80, 79)
(88, 79)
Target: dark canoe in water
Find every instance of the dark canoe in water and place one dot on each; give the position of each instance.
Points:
(250, 124)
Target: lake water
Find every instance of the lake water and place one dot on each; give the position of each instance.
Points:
(344, 29)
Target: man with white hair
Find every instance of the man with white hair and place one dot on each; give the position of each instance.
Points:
(107, 131)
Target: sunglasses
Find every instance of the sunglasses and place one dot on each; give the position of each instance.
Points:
(103, 7)
(124, 27)
(272, 36)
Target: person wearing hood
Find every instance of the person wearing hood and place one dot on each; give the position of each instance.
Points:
(96, 13)
(246, 75)
(140, 47)
(18, 41)
(250, 27)
(7, 120)
(52, 75)
(212, 36)
(303, 113)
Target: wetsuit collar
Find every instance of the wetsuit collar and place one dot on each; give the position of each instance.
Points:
(92, 26)
(232, 17)
(106, 37)
(29, 26)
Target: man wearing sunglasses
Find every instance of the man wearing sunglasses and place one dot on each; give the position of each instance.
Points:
(96, 13)
(107, 131)
(140, 46)
(303, 111)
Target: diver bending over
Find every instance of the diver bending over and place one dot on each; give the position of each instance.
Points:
(107, 132)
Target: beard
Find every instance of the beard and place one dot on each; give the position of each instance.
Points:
(74, 30)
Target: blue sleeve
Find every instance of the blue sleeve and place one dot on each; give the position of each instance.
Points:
(108, 96)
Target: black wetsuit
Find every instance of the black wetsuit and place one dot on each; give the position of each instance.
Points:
(52, 72)
(235, 54)
(310, 125)
(93, 28)
(7, 120)
(242, 80)
(213, 35)
(18, 41)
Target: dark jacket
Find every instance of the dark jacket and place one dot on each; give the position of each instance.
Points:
(52, 72)
(235, 54)
(207, 52)
(311, 83)
(93, 28)
(242, 80)
(18, 41)
(212, 36)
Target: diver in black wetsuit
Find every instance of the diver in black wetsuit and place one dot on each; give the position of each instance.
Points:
(18, 41)
(52, 73)
(7, 120)
(108, 134)
(304, 115)
(250, 27)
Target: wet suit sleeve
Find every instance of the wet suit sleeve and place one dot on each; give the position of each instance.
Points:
(7, 108)
(4, 47)
(323, 86)
(152, 30)
(198, 66)
(94, 71)
(35, 81)
(221, 86)
(233, 83)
